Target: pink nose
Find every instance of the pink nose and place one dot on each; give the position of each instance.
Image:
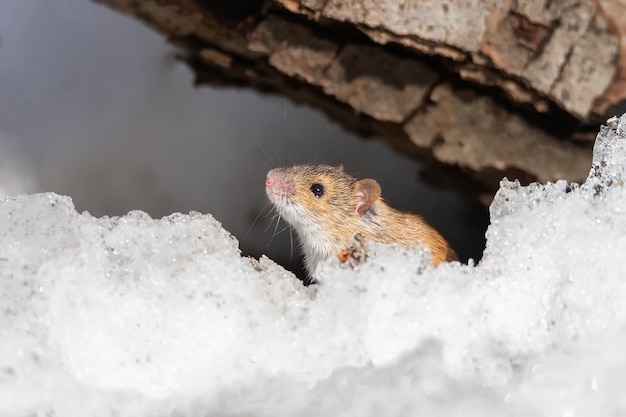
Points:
(270, 180)
(276, 184)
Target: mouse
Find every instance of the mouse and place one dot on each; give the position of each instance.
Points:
(328, 207)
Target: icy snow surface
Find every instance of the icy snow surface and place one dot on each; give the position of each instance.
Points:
(133, 316)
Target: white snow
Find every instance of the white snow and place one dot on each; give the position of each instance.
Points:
(133, 316)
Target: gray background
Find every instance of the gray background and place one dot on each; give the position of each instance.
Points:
(93, 105)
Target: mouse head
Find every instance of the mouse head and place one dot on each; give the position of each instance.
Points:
(306, 193)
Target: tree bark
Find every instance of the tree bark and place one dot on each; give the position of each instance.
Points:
(488, 87)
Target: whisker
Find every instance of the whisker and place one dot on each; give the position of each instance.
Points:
(260, 212)
(276, 233)
(263, 170)
(269, 224)
(275, 228)
(262, 149)
(282, 230)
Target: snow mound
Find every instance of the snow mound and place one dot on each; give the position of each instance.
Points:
(133, 316)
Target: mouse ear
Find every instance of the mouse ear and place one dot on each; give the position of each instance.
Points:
(366, 191)
(339, 168)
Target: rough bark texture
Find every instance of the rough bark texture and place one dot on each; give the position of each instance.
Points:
(490, 87)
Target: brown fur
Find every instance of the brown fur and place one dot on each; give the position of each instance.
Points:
(329, 223)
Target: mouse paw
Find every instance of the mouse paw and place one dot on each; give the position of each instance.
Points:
(354, 254)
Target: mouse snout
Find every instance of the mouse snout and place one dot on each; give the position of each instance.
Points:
(278, 185)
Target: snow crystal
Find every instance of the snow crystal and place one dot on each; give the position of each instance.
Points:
(135, 316)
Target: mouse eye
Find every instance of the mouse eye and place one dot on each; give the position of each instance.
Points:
(317, 190)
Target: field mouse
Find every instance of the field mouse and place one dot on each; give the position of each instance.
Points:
(327, 208)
